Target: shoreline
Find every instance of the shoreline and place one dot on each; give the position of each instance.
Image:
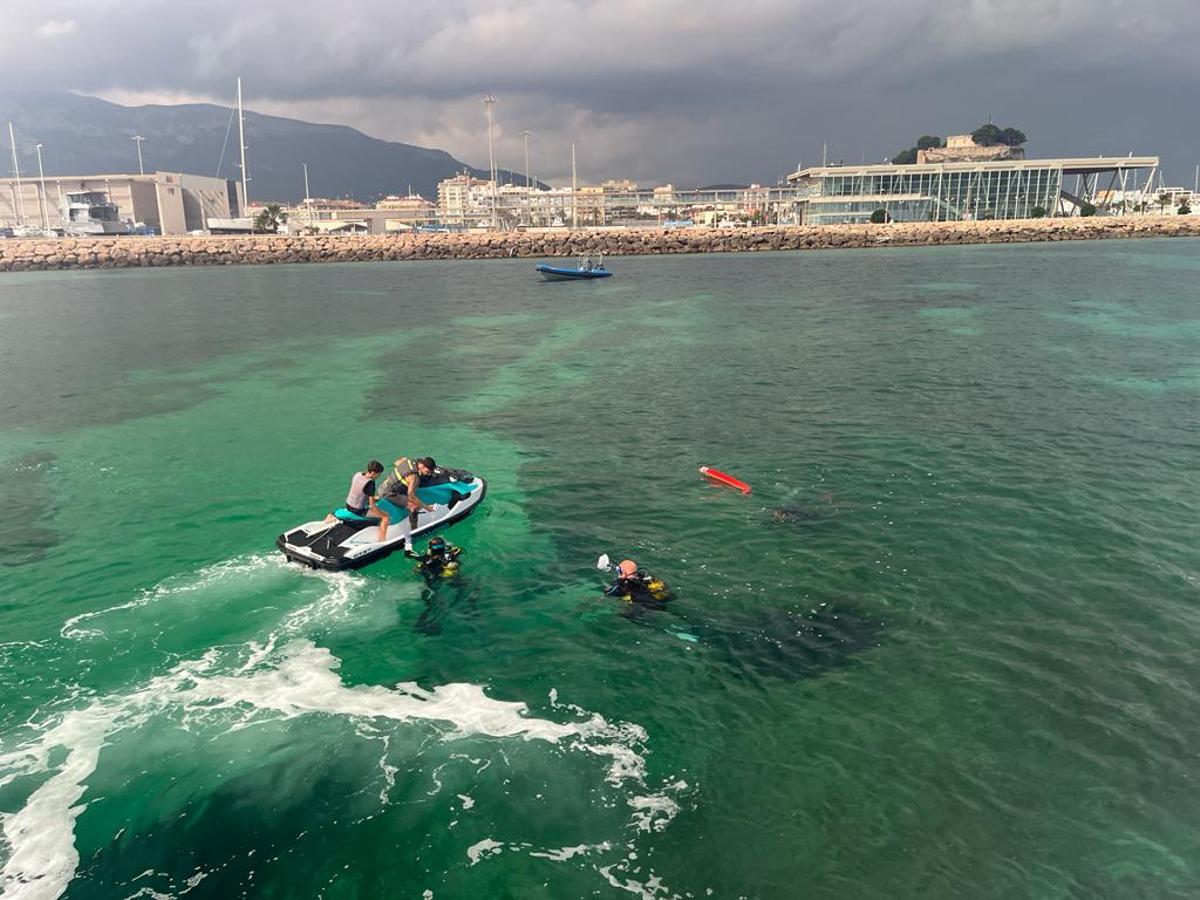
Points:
(21, 255)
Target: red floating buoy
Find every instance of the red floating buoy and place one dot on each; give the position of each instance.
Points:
(720, 477)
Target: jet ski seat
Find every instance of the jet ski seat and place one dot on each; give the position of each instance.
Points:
(354, 520)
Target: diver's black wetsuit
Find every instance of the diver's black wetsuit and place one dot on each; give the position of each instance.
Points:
(438, 563)
(642, 588)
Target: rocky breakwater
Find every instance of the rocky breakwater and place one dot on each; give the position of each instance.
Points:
(130, 252)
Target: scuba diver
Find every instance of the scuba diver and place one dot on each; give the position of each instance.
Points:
(636, 585)
(641, 592)
(440, 560)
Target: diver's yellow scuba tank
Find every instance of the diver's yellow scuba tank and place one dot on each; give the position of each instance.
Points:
(447, 555)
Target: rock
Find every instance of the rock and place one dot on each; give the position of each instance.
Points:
(267, 249)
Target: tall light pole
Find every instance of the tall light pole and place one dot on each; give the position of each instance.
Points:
(528, 198)
(489, 103)
(574, 191)
(526, 134)
(42, 198)
(137, 139)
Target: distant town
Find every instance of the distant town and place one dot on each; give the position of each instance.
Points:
(977, 176)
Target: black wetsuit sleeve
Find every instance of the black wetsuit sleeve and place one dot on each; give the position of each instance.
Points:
(369, 488)
(613, 590)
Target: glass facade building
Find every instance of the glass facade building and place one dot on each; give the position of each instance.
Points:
(967, 190)
(930, 193)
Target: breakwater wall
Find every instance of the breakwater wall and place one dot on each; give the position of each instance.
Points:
(129, 252)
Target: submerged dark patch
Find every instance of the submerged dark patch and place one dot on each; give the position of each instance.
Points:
(795, 644)
(777, 643)
(26, 490)
(797, 513)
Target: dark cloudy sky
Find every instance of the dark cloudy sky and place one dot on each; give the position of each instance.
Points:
(686, 91)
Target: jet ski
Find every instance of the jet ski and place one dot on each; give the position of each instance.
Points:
(352, 541)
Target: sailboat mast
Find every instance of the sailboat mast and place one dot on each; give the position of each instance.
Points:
(242, 142)
(12, 142)
(307, 197)
(42, 198)
(574, 190)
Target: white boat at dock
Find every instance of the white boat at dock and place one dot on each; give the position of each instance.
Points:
(92, 213)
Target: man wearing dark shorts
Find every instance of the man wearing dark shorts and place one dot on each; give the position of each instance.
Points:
(400, 487)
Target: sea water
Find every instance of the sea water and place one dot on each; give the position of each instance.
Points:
(946, 647)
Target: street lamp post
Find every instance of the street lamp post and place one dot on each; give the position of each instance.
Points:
(489, 103)
(137, 139)
(528, 201)
(574, 191)
(526, 134)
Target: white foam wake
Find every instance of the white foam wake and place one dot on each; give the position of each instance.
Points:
(42, 856)
(282, 677)
(232, 572)
(267, 684)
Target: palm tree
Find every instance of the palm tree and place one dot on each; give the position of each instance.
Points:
(270, 218)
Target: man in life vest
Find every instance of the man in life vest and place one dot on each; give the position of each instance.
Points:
(400, 487)
(636, 585)
(360, 500)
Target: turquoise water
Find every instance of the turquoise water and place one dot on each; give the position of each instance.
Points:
(945, 648)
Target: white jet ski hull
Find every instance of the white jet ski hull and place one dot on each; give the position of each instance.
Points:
(353, 543)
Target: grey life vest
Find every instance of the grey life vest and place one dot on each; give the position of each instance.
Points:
(395, 485)
(357, 498)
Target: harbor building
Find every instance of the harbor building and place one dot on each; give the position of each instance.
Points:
(392, 213)
(411, 210)
(965, 189)
(462, 196)
(161, 202)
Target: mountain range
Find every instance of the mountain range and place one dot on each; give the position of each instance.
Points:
(86, 135)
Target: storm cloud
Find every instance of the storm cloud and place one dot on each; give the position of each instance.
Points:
(694, 92)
